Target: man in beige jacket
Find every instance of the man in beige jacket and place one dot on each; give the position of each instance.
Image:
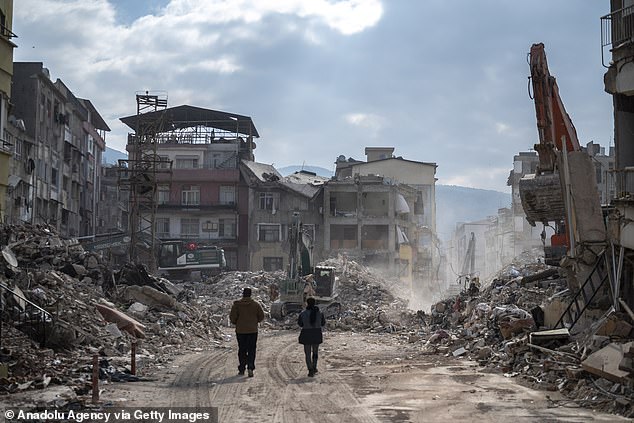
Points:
(246, 313)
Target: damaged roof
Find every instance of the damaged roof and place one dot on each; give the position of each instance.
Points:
(185, 116)
(263, 172)
(303, 182)
(306, 184)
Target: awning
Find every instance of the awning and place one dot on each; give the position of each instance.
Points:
(401, 206)
(400, 235)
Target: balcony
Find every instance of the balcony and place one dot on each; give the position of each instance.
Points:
(196, 207)
(617, 30)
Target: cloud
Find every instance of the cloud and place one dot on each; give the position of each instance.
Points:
(369, 122)
(321, 78)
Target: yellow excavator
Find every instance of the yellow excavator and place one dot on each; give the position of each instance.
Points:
(304, 280)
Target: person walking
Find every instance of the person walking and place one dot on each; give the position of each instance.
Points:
(311, 320)
(245, 314)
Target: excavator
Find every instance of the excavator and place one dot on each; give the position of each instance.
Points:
(304, 280)
(563, 192)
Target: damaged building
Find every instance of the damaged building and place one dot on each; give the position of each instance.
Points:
(203, 199)
(384, 209)
(274, 200)
(58, 140)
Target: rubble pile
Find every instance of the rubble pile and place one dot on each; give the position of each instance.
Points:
(502, 326)
(366, 298)
(61, 305)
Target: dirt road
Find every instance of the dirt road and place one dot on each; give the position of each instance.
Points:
(363, 378)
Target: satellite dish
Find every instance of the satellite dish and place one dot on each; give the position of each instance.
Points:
(341, 158)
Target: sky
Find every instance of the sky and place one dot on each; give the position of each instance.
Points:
(440, 81)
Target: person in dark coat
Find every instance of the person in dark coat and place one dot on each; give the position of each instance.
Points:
(311, 320)
(246, 313)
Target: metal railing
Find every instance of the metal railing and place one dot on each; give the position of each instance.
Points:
(6, 32)
(26, 316)
(617, 28)
(624, 183)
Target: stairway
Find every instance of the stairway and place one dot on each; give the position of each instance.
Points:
(586, 294)
(26, 316)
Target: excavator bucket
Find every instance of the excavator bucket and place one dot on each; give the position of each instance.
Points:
(542, 198)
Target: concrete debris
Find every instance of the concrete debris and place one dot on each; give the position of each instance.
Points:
(87, 308)
(509, 326)
(606, 362)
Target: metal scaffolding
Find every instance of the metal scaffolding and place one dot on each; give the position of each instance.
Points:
(140, 175)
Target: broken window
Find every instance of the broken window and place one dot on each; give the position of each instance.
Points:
(374, 237)
(343, 236)
(376, 204)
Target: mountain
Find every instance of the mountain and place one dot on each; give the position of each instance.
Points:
(111, 156)
(320, 171)
(461, 204)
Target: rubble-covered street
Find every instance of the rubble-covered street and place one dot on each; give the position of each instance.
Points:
(478, 355)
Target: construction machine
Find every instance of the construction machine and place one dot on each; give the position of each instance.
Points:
(304, 280)
(563, 192)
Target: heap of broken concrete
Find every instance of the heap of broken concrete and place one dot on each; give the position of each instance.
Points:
(62, 305)
(512, 325)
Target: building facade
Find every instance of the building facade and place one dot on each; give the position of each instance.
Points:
(68, 135)
(420, 176)
(274, 202)
(203, 199)
(6, 73)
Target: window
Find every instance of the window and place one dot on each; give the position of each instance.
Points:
(190, 227)
(163, 194)
(186, 162)
(210, 226)
(190, 195)
(269, 232)
(269, 201)
(163, 227)
(18, 147)
(271, 264)
(54, 177)
(227, 195)
(227, 228)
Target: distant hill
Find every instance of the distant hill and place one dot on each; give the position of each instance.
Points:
(320, 171)
(461, 204)
(111, 156)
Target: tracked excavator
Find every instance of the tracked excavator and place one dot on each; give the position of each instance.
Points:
(563, 192)
(304, 280)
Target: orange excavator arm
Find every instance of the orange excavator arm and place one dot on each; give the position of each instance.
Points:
(553, 123)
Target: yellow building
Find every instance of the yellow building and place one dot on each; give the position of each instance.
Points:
(6, 72)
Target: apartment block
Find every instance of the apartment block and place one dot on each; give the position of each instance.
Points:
(416, 179)
(274, 201)
(203, 199)
(68, 136)
(6, 73)
(371, 218)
